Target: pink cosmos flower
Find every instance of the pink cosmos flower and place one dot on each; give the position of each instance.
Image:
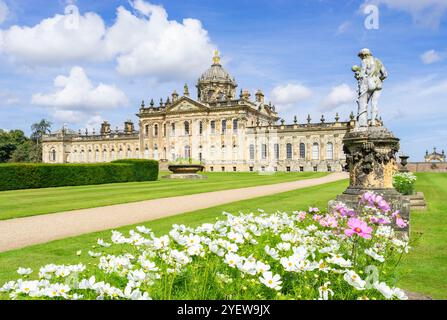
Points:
(317, 217)
(359, 228)
(401, 223)
(315, 210)
(329, 221)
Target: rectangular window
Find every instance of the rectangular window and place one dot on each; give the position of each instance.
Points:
(289, 151)
(211, 169)
(223, 169)
(288, 169)
(252, 169)
(252, 152)
(234, 169)
(302, 151)
(173, 129)
(276, 147)
(224, 126)
(329, 169)
(200, 128)
(315, 169)
(301, 169)
(213, 127)
(235, 126)
(264, 151)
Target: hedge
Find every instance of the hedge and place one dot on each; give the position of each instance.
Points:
(16, 176)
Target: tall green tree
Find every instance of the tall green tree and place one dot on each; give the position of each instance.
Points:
(38, 130)
(9, 142)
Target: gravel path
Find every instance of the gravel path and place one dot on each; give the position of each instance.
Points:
(22, 232)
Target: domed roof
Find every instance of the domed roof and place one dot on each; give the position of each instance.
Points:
(216, 73)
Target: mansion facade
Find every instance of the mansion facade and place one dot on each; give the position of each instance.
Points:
(223, 131)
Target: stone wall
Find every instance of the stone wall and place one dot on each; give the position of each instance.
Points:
(427, 167)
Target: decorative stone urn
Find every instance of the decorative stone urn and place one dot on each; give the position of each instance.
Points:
(371, 161)
(185, 171)
(404, 162)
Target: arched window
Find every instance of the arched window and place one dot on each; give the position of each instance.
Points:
(315, 151)
(330, 151)
(187, 152)
(224, 126)
(97, 155)
(113, 154)
(289, 151)
(81, 156)
(104, 155)
(302, 151)
(129, 153)
(146, 153)
(90, 155)
(137, 152)
(53, 155)
(187, 131)
(120, 153)
(75, 156)
(164, 129)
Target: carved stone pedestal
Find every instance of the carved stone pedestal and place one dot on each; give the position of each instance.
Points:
(371, 160)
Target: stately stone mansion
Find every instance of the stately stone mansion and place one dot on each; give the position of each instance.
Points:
(224, 131)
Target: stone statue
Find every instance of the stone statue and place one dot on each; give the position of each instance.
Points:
(370, 76)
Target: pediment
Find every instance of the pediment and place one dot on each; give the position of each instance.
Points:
(185, 104)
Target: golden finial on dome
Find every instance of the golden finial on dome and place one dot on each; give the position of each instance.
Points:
(216, 58)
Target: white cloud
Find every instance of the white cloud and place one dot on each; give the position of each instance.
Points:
(339, 95)
(430, 57)
(77, 93)
(285, 96)
(424, 12)
(4, 11)
(143, 43)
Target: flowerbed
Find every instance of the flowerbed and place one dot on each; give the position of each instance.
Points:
(301, 255)
(404, 182)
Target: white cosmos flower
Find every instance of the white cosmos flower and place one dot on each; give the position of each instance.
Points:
(271, 281)
(354, 280)
(94, 254)
(289, 264)
(283, 246)
(232, 259)
(324, 291)
(272, 252)
(262, 267)
(384, 289)
(144, 230)
(87, 284)
(161, 243)
(104, 244)
(339, 260)
(24, 271)
(131, 294)
(373, 254)
(235, 237)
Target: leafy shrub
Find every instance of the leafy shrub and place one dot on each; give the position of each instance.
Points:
(31, 175)
(404, 182)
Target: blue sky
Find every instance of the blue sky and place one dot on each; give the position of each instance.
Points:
(299, 52)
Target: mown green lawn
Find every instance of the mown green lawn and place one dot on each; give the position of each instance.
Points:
(64, 251)
(24, 203)
(425, 268)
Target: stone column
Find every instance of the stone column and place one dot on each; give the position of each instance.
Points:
(371, 160)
